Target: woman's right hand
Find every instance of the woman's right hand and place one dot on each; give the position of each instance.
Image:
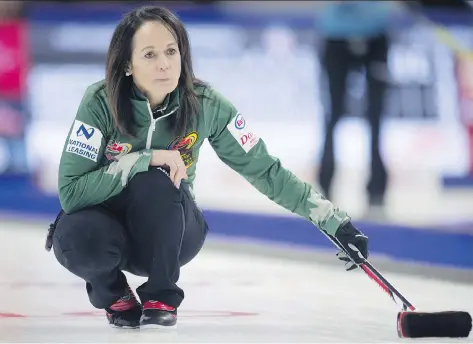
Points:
(171, 159)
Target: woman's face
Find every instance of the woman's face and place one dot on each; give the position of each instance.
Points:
(155, 60)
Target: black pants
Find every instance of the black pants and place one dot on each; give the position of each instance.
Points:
(339, 58)
(150, 229)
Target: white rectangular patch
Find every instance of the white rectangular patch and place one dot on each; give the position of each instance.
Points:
(240, 131)
(84, 141)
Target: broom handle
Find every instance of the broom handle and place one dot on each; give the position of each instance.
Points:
(376, 276)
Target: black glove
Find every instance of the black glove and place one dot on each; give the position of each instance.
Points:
(354, 243)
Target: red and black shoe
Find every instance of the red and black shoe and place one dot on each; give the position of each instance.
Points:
(126, 312)
(158, 315)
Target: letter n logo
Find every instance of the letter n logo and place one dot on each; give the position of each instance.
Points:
(83, 131)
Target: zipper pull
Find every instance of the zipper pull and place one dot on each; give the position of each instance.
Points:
(154, 124)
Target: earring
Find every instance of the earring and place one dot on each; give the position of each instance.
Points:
(127, 73)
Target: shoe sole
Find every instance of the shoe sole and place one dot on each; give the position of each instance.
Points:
(158, 327)
(124, 327)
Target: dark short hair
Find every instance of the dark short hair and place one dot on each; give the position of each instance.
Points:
(119, 86)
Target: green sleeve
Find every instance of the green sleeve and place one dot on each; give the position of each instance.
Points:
(83, 181)
(243, 151)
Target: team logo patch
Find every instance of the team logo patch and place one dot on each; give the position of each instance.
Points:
(240, 131)
(115, 150)
(84, 140)
(184, 145)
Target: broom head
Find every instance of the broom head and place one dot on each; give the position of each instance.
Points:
(450, 324)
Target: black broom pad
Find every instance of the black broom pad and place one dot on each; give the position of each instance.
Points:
(451, 324)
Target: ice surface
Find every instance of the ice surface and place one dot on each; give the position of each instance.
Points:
(230, 297)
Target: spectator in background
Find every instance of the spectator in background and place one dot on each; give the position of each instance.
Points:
(355, 35)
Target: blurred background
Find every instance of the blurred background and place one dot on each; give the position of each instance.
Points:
(371, 102)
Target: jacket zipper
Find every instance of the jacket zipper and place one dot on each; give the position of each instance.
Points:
(152, 126)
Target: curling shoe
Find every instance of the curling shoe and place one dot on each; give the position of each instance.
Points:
(126, 312)
(158, 315)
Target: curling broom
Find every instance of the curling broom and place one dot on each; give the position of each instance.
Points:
(411, 323)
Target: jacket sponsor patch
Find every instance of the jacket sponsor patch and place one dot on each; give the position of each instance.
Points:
(240, 131)
(84, 141)
(185, 146)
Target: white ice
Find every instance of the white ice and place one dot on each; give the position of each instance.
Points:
(230, 297)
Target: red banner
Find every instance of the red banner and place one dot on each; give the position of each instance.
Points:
(13, 60)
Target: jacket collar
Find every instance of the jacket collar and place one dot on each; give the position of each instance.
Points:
(140, 104)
